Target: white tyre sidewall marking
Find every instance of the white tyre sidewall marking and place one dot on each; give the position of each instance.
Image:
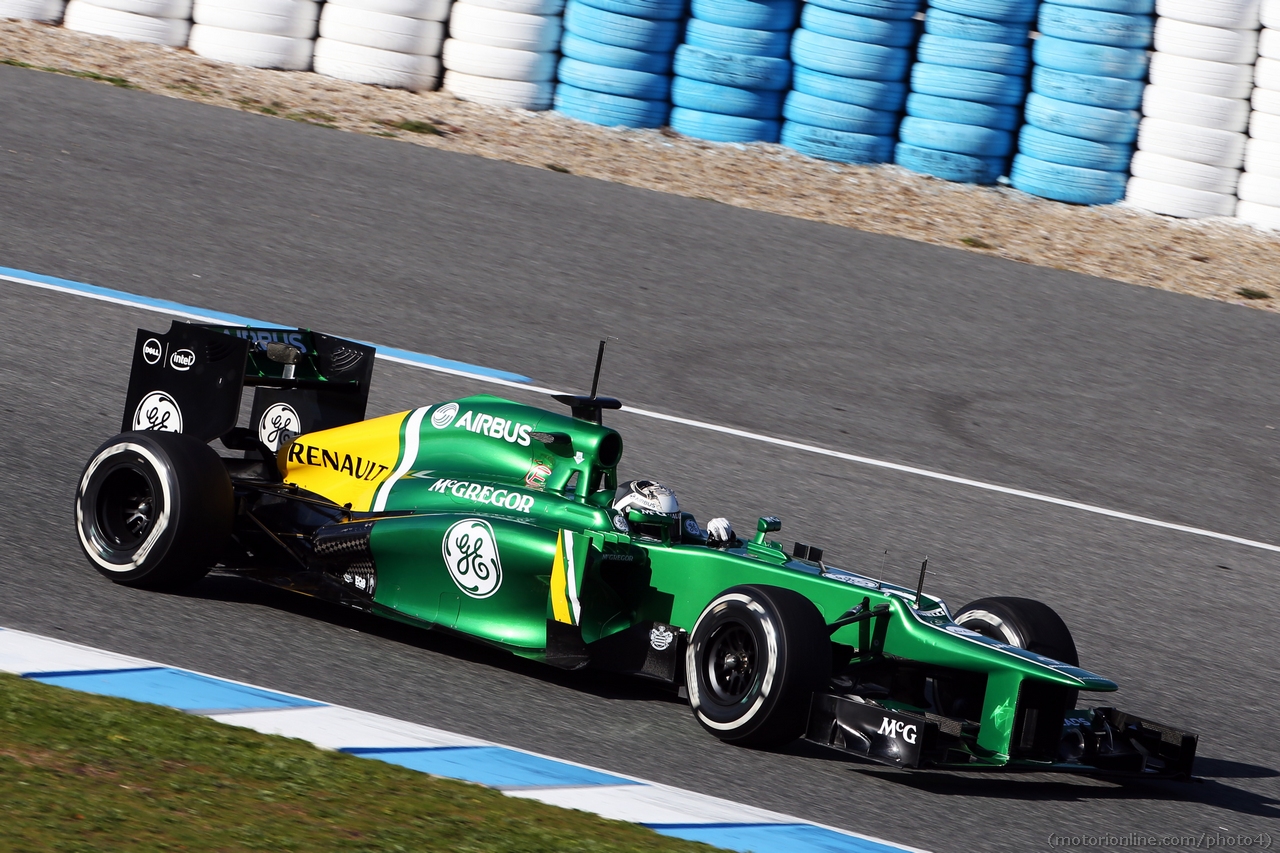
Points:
(159, 527)
(995, 623)
(691, 663)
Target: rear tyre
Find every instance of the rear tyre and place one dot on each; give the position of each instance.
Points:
(755, 656)
(154, 509)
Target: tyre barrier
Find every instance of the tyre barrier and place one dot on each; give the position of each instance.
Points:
(967, 84)
(511, 44)
(165, 22)
(1233, 14)
(1191, 131)
(940, 22)
(719, 127)
(1082, 114)
(257, 33)
(1191, 143)
(618, 60)
(733, 69)
(1258, 189)
(45, 11)
(611, 110)
(394, 43)
(848, 86)
(1062, 182)
(947, 165)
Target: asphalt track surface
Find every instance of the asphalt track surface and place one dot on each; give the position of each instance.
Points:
(1129, 398)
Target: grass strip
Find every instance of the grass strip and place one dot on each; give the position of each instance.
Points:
(80, 772)
(85, 75)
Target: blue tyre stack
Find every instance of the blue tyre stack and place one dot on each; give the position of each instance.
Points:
(851, 61)
(616, 68)
(732, 70)
(1082, 114)
(967, 89)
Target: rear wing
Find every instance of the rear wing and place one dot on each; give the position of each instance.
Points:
(190, 378)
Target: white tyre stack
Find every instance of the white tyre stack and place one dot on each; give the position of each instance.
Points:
(1259, 189)
(1191, 143)
(257, 33)
(503, 52)
(48, 11)
(164, 22)
(393, 43)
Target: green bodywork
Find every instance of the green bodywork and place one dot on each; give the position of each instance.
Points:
(554, 491)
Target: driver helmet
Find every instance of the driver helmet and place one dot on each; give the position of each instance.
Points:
(646, 496)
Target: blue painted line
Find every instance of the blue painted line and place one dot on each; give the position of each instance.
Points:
(494, 766)
(166, 306)
(186, 691)
(774, 838)
(60, 673)
(447, 364)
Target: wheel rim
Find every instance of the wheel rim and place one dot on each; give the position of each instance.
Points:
(731, 663)
(125, 509)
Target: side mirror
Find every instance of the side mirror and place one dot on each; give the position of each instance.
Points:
(768, 524)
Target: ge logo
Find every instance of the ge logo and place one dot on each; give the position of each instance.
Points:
(158, 411)
(471, 555)
(278, 424)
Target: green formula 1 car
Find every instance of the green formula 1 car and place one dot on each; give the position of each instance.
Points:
(496, 520)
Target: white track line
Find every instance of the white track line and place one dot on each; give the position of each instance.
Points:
(949, 478)
(188, 312)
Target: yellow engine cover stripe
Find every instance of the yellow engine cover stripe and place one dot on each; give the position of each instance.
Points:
(348, 464)
(564, 582)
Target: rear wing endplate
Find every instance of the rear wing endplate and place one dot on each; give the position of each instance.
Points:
(190, 378)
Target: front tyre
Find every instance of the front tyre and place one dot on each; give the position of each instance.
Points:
(1025, 623)
(1022, 622)
(154, 509)
(755, 656)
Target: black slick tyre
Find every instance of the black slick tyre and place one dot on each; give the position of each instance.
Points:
(154, 509)
(754, 658)
(1025, 623)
